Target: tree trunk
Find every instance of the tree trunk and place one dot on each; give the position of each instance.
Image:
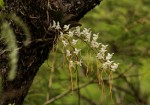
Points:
(37, 14)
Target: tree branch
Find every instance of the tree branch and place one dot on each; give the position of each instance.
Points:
(38, 15)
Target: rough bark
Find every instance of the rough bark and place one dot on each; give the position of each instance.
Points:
(37, 14)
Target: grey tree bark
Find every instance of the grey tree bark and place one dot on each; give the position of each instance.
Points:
(37, 14)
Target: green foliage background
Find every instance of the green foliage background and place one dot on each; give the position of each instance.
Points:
(124, 25)
(1, 3)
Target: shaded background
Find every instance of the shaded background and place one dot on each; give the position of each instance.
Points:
(125, 26)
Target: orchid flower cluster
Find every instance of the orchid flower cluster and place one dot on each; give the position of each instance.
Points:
(69, 38)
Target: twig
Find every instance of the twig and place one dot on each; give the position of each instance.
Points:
(67, 92)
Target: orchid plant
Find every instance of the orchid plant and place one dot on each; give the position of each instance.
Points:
(69, 37)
